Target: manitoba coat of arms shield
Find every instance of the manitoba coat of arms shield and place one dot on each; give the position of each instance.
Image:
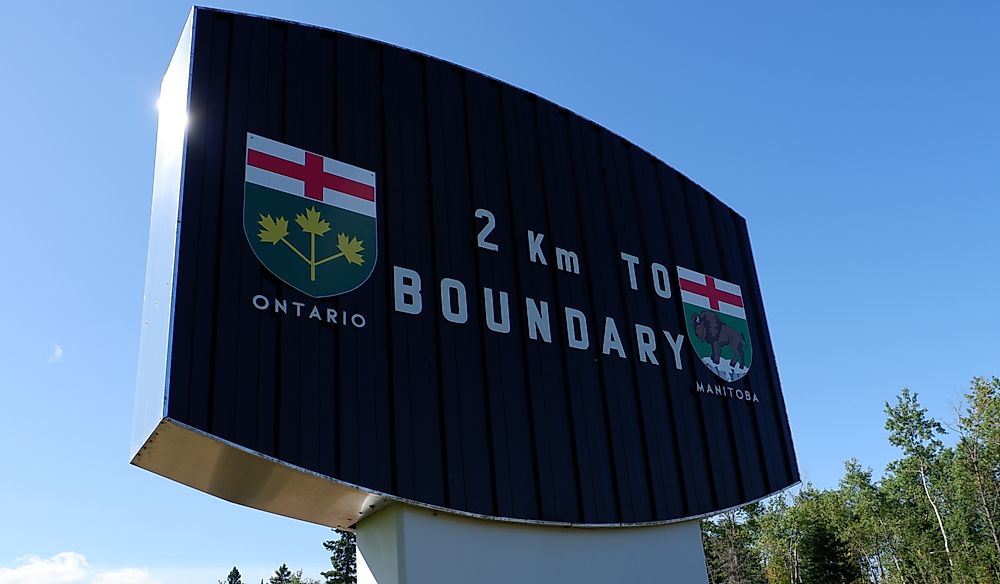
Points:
(309, 219)
(716, 323)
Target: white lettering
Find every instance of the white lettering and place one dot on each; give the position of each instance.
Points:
(567, 261)
(574, 319)
(491, 222)
(612, 340)
(675, 345)
(645, 338)
(727, 391)
(311, 311)
(459, 314)
(535, 247)
(661, 281)
(407, 290)
(538, 320)
(631, 261)
(503, 325)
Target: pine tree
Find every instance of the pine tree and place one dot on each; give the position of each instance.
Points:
(342, 556)
(298, 578)
(234, 577)
(282, 576)
(824, 557)
(729, 550)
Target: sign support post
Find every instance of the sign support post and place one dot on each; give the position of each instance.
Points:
(402, 543)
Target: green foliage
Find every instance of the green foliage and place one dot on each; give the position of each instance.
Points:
(282, 576)
(729, 547)
(823, 556)
(933, 517)
(343, 559)
(910, 429)
(298, 578)
(234, 577)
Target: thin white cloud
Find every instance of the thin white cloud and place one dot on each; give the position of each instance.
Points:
(57, 354)
(62, 568)
(69, 568)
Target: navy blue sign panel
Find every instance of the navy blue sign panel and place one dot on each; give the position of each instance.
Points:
(534, 320)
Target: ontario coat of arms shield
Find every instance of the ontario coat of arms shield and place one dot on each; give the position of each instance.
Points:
(309, 219)
(716, 323)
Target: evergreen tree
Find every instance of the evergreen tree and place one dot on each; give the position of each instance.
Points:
(343, 559)
(823, 556)
(298, 578)
(282, 576)
(729, 547)
(234, 577)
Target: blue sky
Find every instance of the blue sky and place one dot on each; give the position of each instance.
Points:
(861, 141)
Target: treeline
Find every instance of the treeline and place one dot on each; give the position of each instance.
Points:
(343, 569)
(932, 517)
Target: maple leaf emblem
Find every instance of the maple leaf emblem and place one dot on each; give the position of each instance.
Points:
(311, 222)
(350, 249)
(272, 230)
(275, 231)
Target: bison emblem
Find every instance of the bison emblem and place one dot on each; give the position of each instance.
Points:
(716, 323)
(709, 328)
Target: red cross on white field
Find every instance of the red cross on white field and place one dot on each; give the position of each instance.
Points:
(312, 174)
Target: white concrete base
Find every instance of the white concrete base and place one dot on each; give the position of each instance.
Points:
(407, 545)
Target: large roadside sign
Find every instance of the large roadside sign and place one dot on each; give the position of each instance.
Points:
(377, 276)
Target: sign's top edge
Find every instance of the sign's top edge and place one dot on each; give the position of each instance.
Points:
(198, 9)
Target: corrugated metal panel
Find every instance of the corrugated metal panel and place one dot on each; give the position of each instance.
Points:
(454, 415)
